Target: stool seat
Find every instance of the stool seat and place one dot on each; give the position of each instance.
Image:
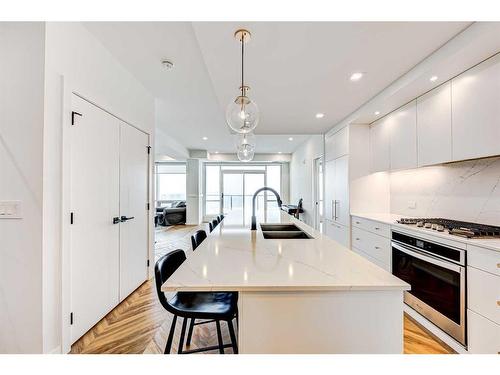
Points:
(205, 305)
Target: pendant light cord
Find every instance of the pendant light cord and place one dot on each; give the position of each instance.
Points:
(242, 63)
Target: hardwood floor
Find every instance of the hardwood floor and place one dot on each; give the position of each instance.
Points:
(140, 324)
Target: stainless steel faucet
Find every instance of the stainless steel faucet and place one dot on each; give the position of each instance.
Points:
(278, 199)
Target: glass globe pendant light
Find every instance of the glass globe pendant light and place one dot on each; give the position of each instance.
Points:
(246, 147)
(242, 114)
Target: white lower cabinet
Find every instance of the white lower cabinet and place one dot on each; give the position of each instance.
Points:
(484, 293)
(337, 232)
(376, 246)
(484, 335)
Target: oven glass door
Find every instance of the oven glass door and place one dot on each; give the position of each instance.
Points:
(434, 282)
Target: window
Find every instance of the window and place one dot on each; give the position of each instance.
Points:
(170, 183)
(236, 183)
(212, 192)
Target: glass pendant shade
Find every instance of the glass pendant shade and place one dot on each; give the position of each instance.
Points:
(246, 153)
(242, 115)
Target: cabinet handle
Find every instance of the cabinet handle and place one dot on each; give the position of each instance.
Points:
(357, 222)
(376, 247)
(357, 239)
(333, 216)
(377, 228)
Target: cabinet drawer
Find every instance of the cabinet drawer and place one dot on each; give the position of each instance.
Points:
(484, 293)
(386, 267)
(486, 260)
(373, 245)
(484, 335)
(337, 232)
(372, 226)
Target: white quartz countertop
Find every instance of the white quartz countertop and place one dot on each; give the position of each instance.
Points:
(233, 258)
(487, 243)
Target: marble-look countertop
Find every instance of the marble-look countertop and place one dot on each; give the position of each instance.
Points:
(233, 258)
(487, 243)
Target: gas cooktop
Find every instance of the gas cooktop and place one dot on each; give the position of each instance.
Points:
(454, 227)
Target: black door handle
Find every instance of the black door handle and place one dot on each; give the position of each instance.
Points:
(116, 220)
(124, 218)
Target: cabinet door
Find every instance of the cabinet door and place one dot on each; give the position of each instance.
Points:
(338, 233)
(475, 96)
(380, 152)
(434, 126)
(329, 189)
(341, 191)
(337, 145)
(330, 147)
(403, 131)
(484, 335)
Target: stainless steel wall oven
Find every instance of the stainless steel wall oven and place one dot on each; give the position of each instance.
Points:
(437, 275)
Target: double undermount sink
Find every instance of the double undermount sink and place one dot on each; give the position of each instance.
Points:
(283, 231)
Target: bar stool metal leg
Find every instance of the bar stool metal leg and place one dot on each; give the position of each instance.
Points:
(168, 347)
(183, 333)
(233, 336)
(190, 332)
(219, 337)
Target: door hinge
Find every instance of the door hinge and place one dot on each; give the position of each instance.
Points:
(71, 318)
(147, 263)
(71, 218)
(149, 149)
(73, 114)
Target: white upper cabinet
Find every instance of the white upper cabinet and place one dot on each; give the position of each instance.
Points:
(404, 137)
(380, 139)
(329, 190)
(337, 144)
(476, 111)
(434, 126)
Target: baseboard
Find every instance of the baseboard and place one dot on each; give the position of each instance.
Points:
(436, 331)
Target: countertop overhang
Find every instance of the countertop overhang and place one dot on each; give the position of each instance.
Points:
(234, 258)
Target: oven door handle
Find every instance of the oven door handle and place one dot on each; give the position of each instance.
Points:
(428, 258)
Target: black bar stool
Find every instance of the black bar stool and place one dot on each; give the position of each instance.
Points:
(197, 238)
(214, 306)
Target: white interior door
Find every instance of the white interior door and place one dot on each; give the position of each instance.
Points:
(133, 208)
(94, 194)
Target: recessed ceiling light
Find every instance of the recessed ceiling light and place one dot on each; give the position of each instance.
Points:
(216, 152)
(205, 138)
(320, 115)
(167, 64)
(290, 139)
(433, 78)
(356, 76)
(377, 113)
(279, 152)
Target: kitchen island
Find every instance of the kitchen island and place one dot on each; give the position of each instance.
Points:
(297, 295)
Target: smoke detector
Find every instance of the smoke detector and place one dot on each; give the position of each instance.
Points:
(167, 64)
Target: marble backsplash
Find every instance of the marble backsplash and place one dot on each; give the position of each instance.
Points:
(468, 191)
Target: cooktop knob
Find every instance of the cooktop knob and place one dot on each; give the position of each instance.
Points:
(420, 223)
(427, 225)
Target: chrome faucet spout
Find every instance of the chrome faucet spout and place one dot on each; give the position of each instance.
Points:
(278, 199)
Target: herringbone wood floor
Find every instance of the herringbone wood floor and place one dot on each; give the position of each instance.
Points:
(141, 325)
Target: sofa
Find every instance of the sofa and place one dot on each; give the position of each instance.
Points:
(173, 215)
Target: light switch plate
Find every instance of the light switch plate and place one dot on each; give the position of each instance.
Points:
(10, 210)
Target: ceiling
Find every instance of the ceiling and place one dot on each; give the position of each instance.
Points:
(295, 70)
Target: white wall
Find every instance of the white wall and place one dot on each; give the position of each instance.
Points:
(88, 68)
(194, 192)
(301, 175)
(21, 144)
(468, 191)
